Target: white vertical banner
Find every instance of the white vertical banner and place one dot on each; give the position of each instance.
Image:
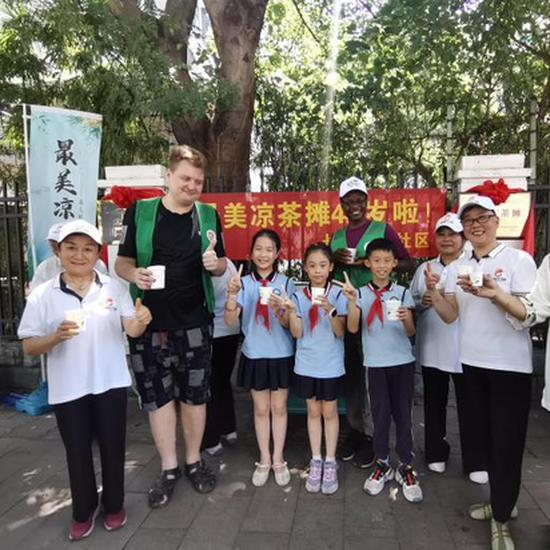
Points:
(62, 171)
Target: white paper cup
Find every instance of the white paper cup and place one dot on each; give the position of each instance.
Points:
(316, 293)
(265, 293)
(391, 309)
(476, 277)
(465, 270)
(76, 316)
(353, 252)
(159, 273)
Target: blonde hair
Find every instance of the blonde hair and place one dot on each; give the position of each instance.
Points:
(180, 153)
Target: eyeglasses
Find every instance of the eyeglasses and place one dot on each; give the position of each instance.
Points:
(355, 202)
(482, 220)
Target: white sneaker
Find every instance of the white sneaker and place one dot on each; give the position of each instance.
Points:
(376, 482)
(501, 539)
(230, 438)
(437, 467)
(261, 474)
(484, 511)
(407, 478)
(481, 477)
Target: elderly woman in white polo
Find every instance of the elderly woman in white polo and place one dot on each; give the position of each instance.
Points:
(78, 319)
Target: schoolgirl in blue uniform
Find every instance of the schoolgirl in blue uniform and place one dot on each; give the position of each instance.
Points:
(268, 350)
(317, 320)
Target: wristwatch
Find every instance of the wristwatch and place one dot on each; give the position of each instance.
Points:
(333, 313)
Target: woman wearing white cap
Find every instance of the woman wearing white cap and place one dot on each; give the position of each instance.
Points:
(496, 359)
(52, 266)
(437, 346)
(78, 318)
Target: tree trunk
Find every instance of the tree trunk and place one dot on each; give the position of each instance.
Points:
(226, 139)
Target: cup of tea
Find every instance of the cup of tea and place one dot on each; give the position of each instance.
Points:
(76, 316)
(265, 294)
(159, 273)
(392, 307)
(316, 293)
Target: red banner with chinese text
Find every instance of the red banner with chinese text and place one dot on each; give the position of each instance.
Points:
(302, 218)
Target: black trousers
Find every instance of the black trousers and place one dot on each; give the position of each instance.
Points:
(101, 417)
(498, 413)
(391, 395)
(355, 385)
(220, 410)
(436, 393)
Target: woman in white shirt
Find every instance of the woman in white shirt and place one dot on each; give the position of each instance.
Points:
(78, 319)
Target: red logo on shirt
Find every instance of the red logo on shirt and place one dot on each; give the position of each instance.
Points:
(499, 272)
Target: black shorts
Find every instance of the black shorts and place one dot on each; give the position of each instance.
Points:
(322, 389)
(173, 364)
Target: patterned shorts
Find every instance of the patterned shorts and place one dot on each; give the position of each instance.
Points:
(173, 364)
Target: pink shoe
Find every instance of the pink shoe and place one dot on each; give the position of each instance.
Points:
(81, 529)
(113, 522)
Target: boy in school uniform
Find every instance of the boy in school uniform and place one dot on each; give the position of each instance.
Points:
(382, 310)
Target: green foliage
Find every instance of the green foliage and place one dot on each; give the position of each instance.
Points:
(80, 55)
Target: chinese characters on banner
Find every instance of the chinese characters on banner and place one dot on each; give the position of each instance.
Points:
(304, 218)
(63, 170)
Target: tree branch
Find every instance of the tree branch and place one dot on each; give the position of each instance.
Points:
(305, 23)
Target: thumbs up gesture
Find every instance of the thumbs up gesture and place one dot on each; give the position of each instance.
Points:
(348, 290)
(210, 259)
(234, 284)
(143, 314)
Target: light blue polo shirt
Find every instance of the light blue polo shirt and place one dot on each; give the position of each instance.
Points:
(260, 343)
(385, 345)
(320, 354)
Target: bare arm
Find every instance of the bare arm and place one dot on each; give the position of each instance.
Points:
(136, 326)
(126, 269)
(338, 324)
(37, 345)
(446, 306)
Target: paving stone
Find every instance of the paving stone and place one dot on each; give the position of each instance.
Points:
(217, 524)
(272, 509)
(539, 491)
(536, 469)
(181, 511)
(9, 444)
(265, 541)
(159, 539)
(531, 531)
(359, 543)
(318, 525)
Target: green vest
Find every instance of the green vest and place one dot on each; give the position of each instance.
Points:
(358, 275)
(146, 219)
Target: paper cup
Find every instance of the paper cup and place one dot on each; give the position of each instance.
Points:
(391, 309)
(159, 273)
(76, 316)
(265, 293)
(316, 293)
(465, 270)
(353, 252)
(476, 277)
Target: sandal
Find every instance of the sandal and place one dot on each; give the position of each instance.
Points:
(261, 474)
(161, 491)
(201, 476)
(282, 474)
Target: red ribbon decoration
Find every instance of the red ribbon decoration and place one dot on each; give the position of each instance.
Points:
(123, 197)
(376, 308)
(498, 192)
(262, 310)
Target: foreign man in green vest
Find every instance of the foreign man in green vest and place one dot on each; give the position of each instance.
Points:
(182, 237)
(349, 244)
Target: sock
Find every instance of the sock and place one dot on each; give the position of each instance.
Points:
(386, 460)
(330, 459)
(317, 457)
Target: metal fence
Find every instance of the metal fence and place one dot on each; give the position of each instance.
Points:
(13, 231)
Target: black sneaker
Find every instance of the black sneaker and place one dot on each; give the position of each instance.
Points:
(161, 491)
(347, 448)
(364, 456)
(201, 476)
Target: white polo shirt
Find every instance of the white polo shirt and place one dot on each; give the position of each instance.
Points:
(487, 340)
(437, 343)
(93, 361)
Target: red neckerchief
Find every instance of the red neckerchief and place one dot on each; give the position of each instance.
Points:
(314, 309)
(376, 308)
(262, 310)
